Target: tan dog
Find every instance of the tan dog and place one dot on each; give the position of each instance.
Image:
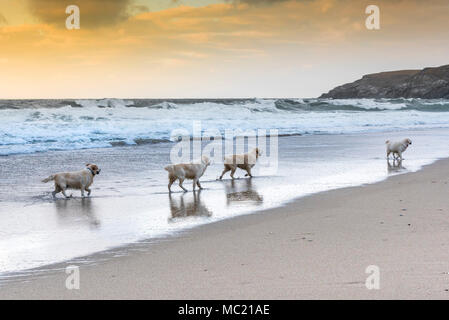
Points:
(397, 148)
(80, 180)
(243, 161)
(182, 171)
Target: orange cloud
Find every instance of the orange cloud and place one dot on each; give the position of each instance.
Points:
(3, 20)
(226, 26)
(285, 38)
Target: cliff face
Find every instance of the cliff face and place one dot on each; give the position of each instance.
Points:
(429, 83)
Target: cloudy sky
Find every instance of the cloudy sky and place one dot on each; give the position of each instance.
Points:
(211, 48)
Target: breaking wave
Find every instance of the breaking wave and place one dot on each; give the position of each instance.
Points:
(28, 126)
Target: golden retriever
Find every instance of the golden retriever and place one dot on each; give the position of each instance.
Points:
(397, 148)
(182, 171)
(80, 180)
(243, 161)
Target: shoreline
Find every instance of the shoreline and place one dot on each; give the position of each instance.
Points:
(269, 238)
(136, 206)
(167, 235)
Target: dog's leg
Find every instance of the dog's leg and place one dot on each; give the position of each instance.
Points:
(65, 195)
(171, 179)
(233, 171)
(57, 190)
(82, 192)
(198, 184)
(180, 184)
(248, 169)
(88, 191)
(194, 183)
(226, 169)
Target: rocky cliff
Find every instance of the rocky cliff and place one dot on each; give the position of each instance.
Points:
(429, 83)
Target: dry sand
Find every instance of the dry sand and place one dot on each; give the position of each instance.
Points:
(316, 247)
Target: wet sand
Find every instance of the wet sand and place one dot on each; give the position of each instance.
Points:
(130, 201)
(315, 247)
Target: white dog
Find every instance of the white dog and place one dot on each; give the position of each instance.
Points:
(80, 180)
(182, 171)
(397, 148)
(243, 161)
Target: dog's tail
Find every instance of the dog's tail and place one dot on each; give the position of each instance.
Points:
(387, 142)
(50, 178)
(169, 168)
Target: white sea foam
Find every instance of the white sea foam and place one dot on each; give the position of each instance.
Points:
(81, 124)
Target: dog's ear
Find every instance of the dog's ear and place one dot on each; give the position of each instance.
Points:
(88, 164)
(205, 160)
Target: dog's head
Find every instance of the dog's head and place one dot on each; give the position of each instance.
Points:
(205, 160)
(258, 152)
(408, 142)
(94, 168)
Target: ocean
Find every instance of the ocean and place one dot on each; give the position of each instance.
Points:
(322, 145)
(28, 126)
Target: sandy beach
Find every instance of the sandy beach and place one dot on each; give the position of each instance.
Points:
(317, 131)
(316, 247)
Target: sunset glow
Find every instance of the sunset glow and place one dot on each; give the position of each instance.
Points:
(211, 48)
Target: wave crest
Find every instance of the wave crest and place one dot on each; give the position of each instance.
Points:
(41, 125)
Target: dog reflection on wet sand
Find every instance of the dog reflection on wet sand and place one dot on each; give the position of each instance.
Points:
(70, 212)
(242, 190)
(395, 166)
(187, 206)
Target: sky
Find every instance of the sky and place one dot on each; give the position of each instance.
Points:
(211, 48)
